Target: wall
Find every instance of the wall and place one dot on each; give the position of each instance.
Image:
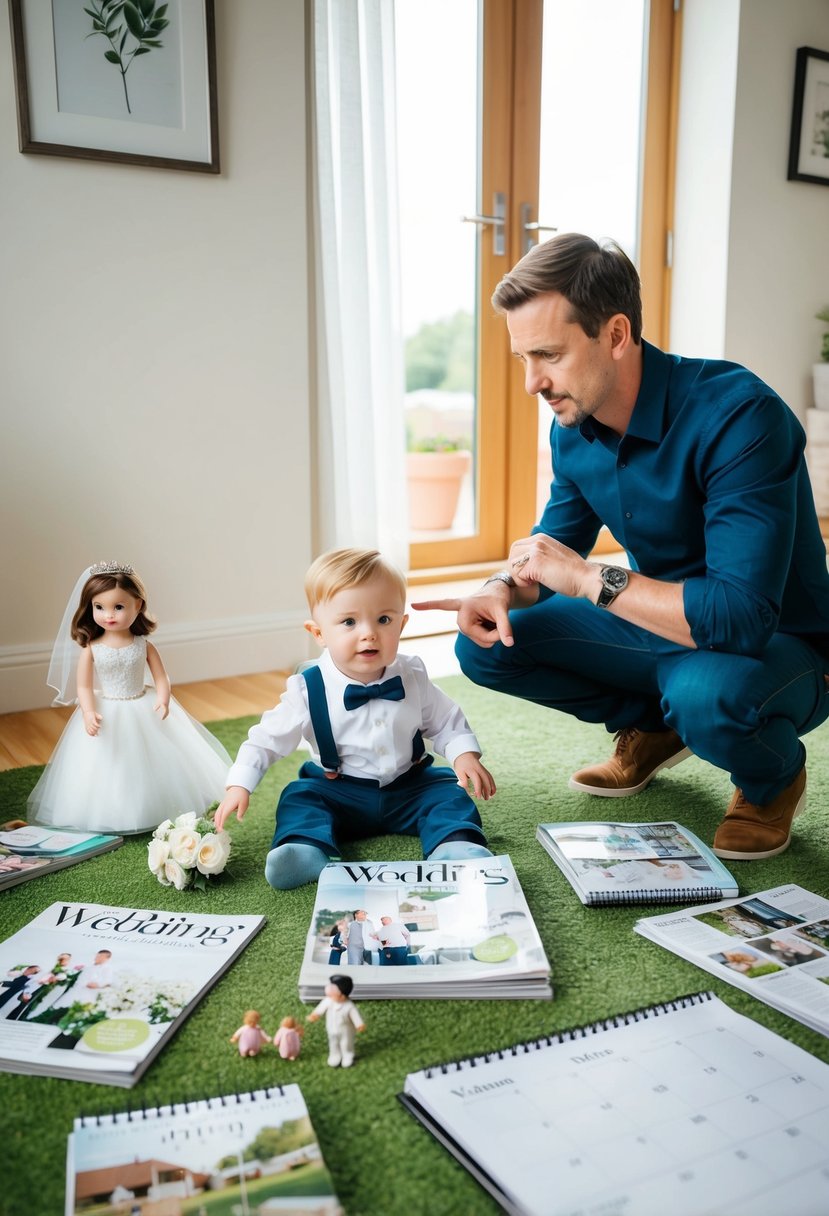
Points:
(154, 346)
(751, 250)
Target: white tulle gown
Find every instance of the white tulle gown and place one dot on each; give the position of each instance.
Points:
(138, 770)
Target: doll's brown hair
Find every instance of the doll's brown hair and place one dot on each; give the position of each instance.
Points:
(84, 629)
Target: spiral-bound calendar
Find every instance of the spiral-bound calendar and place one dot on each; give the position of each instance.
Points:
(254, 1152)
(687, 1108)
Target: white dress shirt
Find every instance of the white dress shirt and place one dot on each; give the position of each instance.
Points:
(373, 741)
(394, 935)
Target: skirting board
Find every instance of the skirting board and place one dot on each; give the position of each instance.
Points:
(201, 650)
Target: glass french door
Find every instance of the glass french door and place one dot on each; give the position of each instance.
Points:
(498, 100)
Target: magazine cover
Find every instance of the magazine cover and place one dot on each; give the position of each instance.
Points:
(636, 863)
(774, 945)
(29, 851)
(93, 992)
(240, 1153)
(421, 928)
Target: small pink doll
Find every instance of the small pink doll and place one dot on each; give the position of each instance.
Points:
(288, 1038)
(250, 1036)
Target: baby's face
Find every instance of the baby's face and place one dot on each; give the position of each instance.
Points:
(361, 627)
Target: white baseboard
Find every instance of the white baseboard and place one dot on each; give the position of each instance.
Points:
(198, 650)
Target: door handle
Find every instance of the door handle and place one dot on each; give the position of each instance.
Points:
(528, 227)
(497, 220)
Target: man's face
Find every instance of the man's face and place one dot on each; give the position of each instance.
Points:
(573, 373)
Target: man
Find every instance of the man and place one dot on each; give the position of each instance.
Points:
(362, 939)
(396, 940)
(21, 982)
(716, 640)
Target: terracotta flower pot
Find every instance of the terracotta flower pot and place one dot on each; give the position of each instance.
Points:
(434, 480)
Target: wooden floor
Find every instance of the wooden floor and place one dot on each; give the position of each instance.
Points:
(30, 737)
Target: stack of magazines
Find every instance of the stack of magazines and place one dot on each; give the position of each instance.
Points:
(424, 929)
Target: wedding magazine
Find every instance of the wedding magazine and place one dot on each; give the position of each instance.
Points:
(685, 1107)
(424, 929)
(611, 864)
(248, 1152)
(774, 945)
(30, 851)
(91, 992)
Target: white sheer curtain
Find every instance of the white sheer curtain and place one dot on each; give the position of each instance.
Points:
(361, 482)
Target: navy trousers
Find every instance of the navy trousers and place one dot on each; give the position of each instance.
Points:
(742, 714)
(425, 802)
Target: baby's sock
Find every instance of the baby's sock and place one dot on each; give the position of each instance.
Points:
(458, 850)
(294, 864)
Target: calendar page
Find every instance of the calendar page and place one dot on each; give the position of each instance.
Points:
(688, 1108)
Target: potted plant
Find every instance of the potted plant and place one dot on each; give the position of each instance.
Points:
(435, 469)
(820, 371)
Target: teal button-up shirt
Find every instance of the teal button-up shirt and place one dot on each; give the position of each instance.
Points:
(708, 487)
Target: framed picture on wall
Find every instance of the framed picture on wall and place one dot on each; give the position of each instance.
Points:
(132, 81)
(809, 142)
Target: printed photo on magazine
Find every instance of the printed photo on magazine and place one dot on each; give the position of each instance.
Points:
(636, 863)
(93, 992)
(419, 928)
(248, 1152)
(774, 944)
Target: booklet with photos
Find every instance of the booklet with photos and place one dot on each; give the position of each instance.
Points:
(686, 1107)
(246, 1152)
(424, 929)
(612, 864)
(774, 945)
(28, 851)
(92, 993)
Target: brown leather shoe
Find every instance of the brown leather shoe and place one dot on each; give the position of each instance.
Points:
(750, 832)
(639, 756)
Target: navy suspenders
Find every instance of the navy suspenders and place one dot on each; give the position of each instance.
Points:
(321, 722)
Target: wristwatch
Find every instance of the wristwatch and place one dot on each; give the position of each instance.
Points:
(503, 576)
(614, 581)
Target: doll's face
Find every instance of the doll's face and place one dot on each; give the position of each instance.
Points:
(361, 627)
(115, 610)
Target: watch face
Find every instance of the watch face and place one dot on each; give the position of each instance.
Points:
(615, 578)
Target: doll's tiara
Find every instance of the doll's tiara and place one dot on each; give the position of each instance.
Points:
(112, 568)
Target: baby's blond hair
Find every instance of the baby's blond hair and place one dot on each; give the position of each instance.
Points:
(342, 568)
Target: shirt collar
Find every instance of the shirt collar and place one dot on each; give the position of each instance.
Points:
(648, 420)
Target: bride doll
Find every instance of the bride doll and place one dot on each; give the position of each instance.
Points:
(126, 760)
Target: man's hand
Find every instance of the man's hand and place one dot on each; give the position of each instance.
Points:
(540, 560)
(483, 617)
(470, 771)
(236, 799)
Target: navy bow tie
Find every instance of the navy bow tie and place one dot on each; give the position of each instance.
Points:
(360, 694)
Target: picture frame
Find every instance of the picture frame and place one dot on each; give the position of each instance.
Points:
(809, 139)
(125, 81)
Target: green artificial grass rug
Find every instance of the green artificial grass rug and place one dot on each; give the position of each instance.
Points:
(384, 1163)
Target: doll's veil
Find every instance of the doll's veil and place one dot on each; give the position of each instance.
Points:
(63, 665)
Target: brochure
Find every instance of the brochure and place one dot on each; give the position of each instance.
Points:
(774, 945)
(424, 929)
(30, 851)
(612, 864)
(93, 992)
(248, 1152)
(685, 1107)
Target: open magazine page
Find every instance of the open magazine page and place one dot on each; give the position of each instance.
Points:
(28, 852)
(453, 928)
(92, 992)
(250, 1152)
(774, 945)
(617, 863)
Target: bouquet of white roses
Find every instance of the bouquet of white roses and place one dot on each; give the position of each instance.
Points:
(186, 852)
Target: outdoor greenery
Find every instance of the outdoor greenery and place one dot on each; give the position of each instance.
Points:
(274, 1142)
(441, 355)
(439, 443)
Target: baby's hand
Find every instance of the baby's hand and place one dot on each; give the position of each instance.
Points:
(162, 709)
(470, 771)
(235, 800)
(92, 722)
